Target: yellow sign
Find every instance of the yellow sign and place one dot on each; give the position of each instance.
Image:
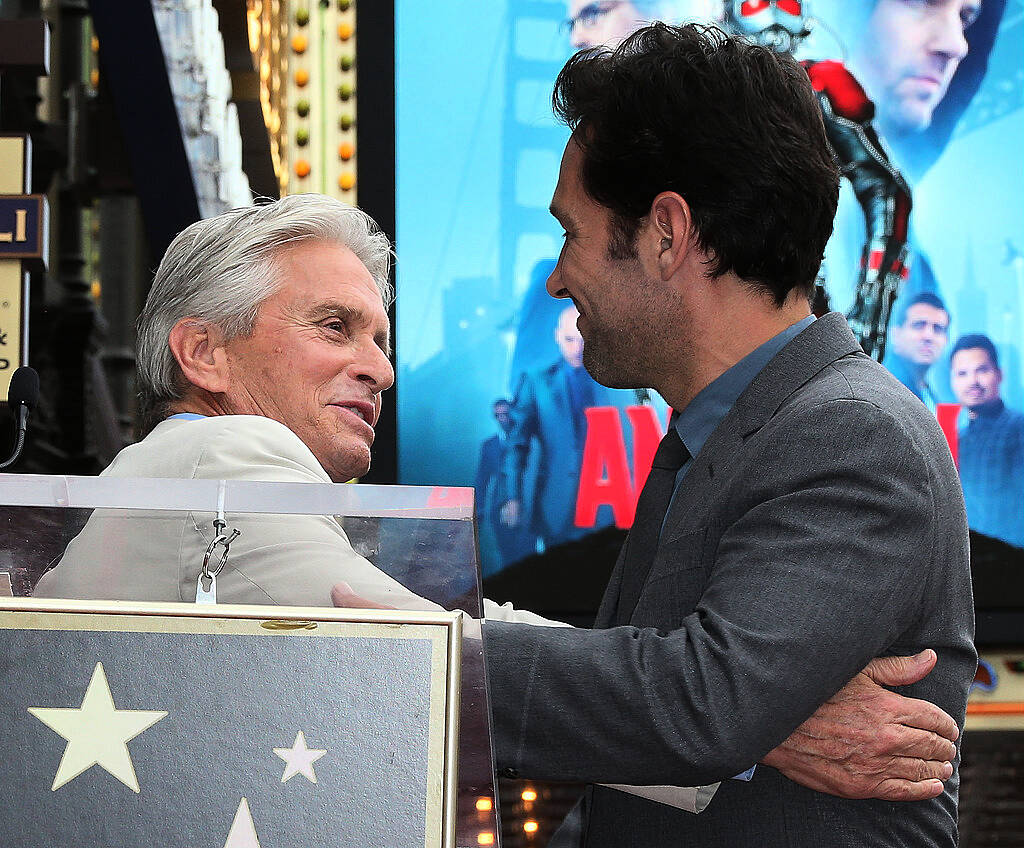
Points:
(15, 164)
(21, 236)
(12, 286)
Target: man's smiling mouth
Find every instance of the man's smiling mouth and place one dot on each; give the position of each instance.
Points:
(359, 410)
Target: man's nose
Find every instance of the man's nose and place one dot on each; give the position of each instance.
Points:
(577, 39)
(947, 34)
(553, 286)
(374, 367)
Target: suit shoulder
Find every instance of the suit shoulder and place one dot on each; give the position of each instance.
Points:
(857, 402)
(546, 373)
(252, 447)
(240, 447)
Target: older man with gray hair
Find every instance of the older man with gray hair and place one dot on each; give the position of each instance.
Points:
(263, 351)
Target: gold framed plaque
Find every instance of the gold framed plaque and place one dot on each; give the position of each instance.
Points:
(129, 723)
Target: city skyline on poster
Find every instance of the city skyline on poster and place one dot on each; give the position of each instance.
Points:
(478, 153)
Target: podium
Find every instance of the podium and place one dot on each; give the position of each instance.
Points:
(187, 724)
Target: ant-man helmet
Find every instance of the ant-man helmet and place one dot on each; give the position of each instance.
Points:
(777, 24)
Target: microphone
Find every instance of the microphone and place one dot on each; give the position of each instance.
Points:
(22, 396)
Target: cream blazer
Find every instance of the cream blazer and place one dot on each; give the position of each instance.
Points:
(285, 559)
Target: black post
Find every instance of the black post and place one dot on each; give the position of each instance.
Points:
(375, 141)
(73, 338)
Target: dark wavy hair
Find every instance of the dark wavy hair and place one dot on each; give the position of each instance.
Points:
(926, 297)
(976, 340)
(734, 128)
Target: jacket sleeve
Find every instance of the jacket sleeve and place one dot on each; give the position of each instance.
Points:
(819, 570)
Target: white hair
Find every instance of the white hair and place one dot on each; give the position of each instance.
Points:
(221, 270)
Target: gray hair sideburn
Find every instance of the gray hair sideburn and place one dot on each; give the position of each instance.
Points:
(220, 271)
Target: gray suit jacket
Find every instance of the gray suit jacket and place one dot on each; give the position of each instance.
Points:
(821, 525)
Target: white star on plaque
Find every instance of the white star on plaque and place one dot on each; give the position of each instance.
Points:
(243, 829)
(97, 733)
(299, 759)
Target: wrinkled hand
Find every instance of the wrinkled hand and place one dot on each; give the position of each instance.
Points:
(343, 596)
(868, 742)
(510, 514)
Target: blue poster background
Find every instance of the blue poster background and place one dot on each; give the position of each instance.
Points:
(478, 153)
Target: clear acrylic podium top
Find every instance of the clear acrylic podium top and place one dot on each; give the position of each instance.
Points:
(423, 537)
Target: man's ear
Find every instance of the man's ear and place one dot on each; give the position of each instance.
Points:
(671, 230)
(199, 349)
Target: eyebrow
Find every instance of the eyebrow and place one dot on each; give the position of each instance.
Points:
(337, 309)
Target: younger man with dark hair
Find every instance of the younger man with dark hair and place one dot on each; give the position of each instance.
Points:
(801, 516)
(991, 449)
(919, 336)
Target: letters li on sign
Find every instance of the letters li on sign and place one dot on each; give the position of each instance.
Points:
(22, 226)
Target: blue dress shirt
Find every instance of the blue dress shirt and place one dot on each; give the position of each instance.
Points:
(705, 412)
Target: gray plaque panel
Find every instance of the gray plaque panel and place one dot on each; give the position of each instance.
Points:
(230, 701)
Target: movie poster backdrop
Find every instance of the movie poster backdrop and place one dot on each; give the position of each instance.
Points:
(491, 392)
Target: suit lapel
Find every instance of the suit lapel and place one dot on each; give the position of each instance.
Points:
(818, 346)
(608, 610)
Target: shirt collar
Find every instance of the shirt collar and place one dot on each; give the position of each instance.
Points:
(186, 416)
(992, 409)
(706, 411)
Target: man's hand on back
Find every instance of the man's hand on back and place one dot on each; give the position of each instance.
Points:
(343, 596)
(864, 742)
(868, 742)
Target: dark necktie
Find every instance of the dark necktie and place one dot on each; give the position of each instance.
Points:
(642, 543)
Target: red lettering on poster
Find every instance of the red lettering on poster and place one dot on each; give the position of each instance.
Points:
(647, 433)
(604, 472)
(605, 476)
(947, 414)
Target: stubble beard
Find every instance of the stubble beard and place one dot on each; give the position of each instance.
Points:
(628, 349)
(627, 356)
(607, 366)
